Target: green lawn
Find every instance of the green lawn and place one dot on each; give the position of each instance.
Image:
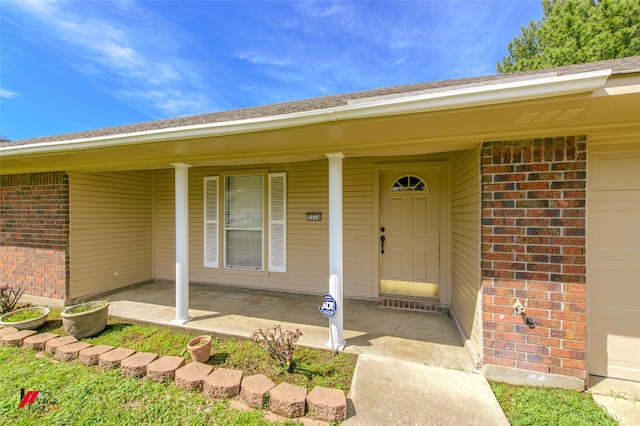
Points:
(77, 394)
(525, 405)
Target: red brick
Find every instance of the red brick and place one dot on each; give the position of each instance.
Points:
(541, 359)
(501, 353)
(545, 341)
(509, 337)
(568, 334)
(535, 349)
(571, 372)
(574, 363)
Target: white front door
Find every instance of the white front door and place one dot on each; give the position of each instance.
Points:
(409, 230)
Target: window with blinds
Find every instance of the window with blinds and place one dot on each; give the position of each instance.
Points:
(243, 224)
(243, 221)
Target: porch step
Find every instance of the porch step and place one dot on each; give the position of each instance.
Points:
(409, 304)
(38, 341)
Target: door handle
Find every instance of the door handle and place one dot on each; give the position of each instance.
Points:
(382, 238)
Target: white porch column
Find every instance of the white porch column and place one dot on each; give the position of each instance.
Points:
(336, 340)
(182, 242)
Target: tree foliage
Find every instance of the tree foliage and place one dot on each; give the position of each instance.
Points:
(574, 32)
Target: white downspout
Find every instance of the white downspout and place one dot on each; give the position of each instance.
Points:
(336, 340)
(182, 242)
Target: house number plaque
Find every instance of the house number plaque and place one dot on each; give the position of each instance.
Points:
(314, 216)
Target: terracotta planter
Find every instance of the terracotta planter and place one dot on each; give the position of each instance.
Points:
(200, 348)
(30, 324)
(91, 319)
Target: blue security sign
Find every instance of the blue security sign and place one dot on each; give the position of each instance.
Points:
(329, 307)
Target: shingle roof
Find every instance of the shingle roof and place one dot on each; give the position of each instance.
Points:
(618, 66)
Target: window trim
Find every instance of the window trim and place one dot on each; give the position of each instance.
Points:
(271, 261)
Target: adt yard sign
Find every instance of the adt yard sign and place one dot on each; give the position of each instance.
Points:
(329, 307)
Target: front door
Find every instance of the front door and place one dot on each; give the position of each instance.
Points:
(409, 246)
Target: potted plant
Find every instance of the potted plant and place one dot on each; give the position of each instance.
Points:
(200, 348)
(86, 319)
(25, 318)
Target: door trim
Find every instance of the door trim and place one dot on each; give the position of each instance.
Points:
(445, 222)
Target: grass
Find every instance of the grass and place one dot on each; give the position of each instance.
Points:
(80, 395)
(86, 307)
(525, 405)
(77, 394)
(23, 315)
(311, 367)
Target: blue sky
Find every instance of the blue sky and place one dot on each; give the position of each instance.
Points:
(69, 66)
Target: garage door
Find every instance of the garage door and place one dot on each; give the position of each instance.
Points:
(613, 253)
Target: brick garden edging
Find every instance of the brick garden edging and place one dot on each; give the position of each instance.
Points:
(244, 393)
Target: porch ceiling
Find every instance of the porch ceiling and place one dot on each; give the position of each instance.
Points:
(614, 107)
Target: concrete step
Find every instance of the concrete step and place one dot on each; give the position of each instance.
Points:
(136, 364)
(15, 339)
(253, 390)
(190, 376)
(327, 404)
(164, 369)
(112, 359)
(288, 400)
(38, 341)
(223, 383)
(91, 356)
(70, 352)
(52, 345)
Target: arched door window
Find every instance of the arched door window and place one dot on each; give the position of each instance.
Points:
(409, 183)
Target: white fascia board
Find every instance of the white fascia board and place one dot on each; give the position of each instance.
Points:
(490, 94)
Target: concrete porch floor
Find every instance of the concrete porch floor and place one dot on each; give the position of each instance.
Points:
(423, 337)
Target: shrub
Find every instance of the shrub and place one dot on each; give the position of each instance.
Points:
(279, 344)
(9, 297)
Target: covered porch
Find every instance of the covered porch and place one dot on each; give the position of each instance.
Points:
(425, 337)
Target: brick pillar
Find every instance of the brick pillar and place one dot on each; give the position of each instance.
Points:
(34, 233)
(533, 249)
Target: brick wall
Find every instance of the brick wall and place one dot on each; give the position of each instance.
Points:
(533, 249)
(34, 233)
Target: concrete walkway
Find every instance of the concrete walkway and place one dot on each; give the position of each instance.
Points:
(620, 398)
(412, 368)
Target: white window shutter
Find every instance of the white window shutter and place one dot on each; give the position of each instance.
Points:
(278, 222)
(211, 222)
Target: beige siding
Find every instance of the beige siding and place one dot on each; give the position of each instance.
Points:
(613, 256)
(110, 231)
(465, 250)
(307, 242)
(164, 254)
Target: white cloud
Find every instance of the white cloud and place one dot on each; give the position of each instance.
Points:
(7, 94)
(123, 48)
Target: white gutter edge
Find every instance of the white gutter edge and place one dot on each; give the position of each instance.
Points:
(492, 94)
